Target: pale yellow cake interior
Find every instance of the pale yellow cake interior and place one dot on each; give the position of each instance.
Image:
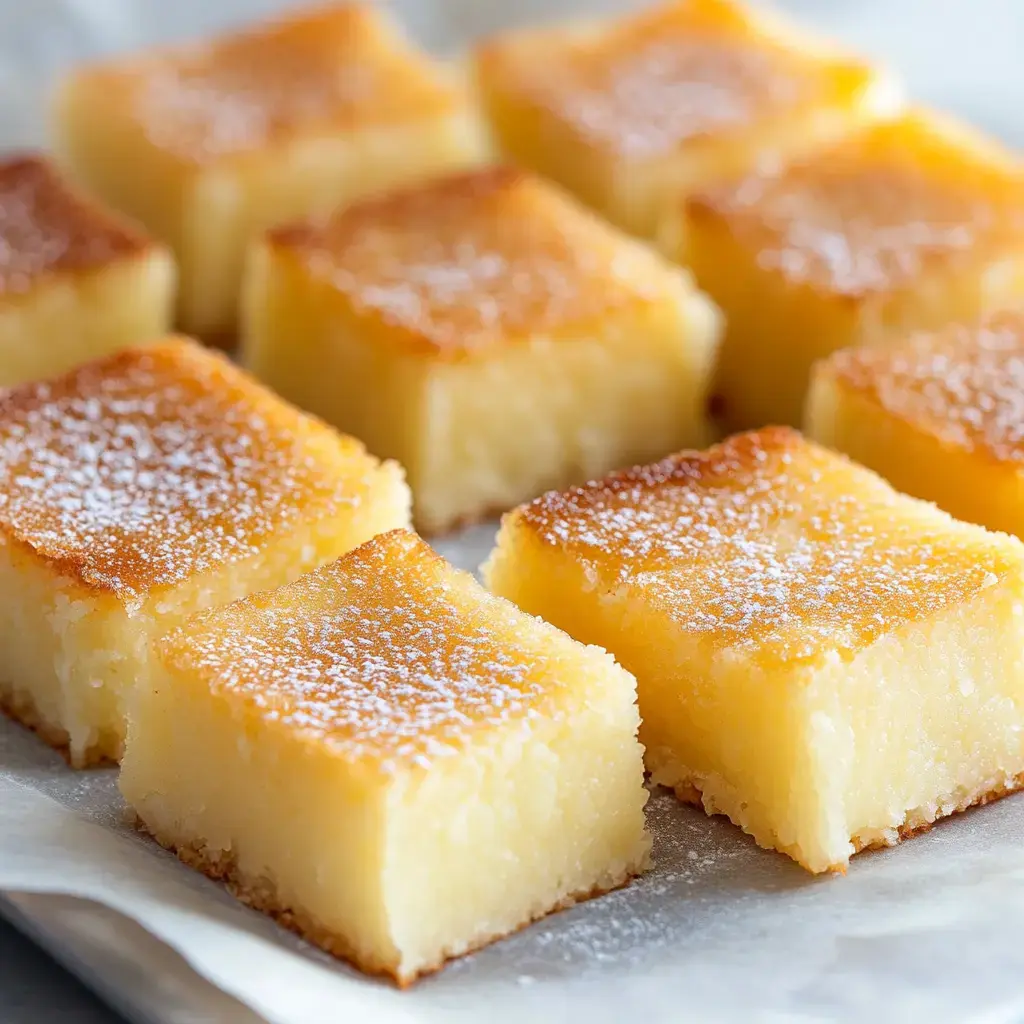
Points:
(400, 764)
(76, 282)
(630, 114)
(909, 226)
(140, 489)
(940, 416)
(487, 332)
(210, 143)
(827, 662)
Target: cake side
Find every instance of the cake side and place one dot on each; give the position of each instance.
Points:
(211, 143)
(68, 319)
(895, 700)
(676, 75)
(48, 227)
(903, 227)
(944, 463)
(136, 471)
(878, 211)
(342, 68)
(746, 545)
(526, 344)
(634, 112)
(142, 488)
(321, 695)
(475, 260)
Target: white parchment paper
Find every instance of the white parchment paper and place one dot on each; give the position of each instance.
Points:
(719, 930)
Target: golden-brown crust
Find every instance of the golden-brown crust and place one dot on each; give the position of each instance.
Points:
(47, 227)
(261, 895)
(964, 385)
(877, 211)
(387, 657)
(681, 73)
(141, 469)
(20, 708)
(770, 545)
(340, 67)
(475, 259)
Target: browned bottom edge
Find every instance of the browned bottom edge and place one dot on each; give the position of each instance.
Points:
(689, 792)
(907, 831)
(261, 894)
(22, 709)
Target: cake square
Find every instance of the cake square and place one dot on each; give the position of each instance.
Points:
(631, 113)
(208, 144)
(390, 760)
(76, 281)
(486, 331)
(939, 415)
(908, 226)
(831, 664)
(138, 489)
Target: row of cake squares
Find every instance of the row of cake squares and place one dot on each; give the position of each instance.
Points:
(209, 144)
(308, 702)
(483, 328)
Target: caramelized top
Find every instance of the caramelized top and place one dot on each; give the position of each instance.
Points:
(964, 386)
(137, 471)
(341, 67)
(476, 258)
(877, 211)
(773, 546)
(687, 70)
(389, 655)
(47, 226)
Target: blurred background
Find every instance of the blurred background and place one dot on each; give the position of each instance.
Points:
(962, 55)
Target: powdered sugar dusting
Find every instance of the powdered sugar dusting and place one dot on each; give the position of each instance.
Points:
(477, 258)
(387, 654)
(964, 386)
(874, 213)
(769, 542)
(334, 69)
(45, 226)
(673, 91)
(138, 471)
(657, 81)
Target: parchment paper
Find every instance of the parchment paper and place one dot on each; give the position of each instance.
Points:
(719, 930)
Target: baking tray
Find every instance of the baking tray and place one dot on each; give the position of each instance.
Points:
(720, 930)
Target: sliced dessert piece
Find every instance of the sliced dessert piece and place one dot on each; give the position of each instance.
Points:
(829, 663)
(940, 416)
(138, 489)
(489, 333)
(911, 225)
(632, 113)
(397, 764)
(76, 282)
(210, 143)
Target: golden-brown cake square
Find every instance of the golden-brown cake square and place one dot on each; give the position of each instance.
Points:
(940, 416)
(392, 761)
(828, 662)
(632, 113)
(76, 281)
(138, 489)
(208, 144)
(908, 226)
(488, 332)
